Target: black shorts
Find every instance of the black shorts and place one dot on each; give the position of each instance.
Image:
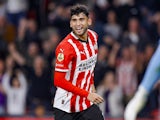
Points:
(92, 113)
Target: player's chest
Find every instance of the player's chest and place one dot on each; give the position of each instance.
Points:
(86, 50)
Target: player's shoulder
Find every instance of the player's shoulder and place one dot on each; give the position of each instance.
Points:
(92, 32)
(65, 44)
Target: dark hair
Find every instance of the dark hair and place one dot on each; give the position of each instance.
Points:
(13, 76)
(77, 9)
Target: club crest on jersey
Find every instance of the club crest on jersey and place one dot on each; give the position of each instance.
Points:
(60, 57)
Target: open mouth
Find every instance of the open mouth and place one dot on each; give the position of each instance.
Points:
(79, 30)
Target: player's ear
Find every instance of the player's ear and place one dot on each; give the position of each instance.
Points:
(89, 21)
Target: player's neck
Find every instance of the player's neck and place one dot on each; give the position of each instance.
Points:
(83, 37)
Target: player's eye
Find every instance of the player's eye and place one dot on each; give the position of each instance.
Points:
(81, 19)
(73, 20)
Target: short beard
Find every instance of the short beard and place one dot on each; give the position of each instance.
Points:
(82, 33)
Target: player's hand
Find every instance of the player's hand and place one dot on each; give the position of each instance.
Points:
(93, 88)
(95, 98)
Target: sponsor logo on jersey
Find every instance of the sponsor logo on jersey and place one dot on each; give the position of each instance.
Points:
(87, 64)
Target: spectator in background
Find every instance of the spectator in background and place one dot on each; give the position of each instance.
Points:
(40, 83)
(148, 52)
(31, 33)
(54, 39)
(106, 58)
(16, 10)
(113, 94)
(126, 72)
(155, 27)
(7, 30)
(10, 64)
(60, 19)
(134, 35)
(40, 111)
(14, 57)
(2, 93)
(27, 33)
(101, 64)
(97, 26)
(32, 51)
(15, 87)
(50, 38)
(112, 27)
(126, 9)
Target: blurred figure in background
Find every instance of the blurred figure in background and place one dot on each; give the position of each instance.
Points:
(33, 50)
(40, 83)
(134, 35)
(16, 10)
(15, 87)
(101, 65)
(126, 72)
(112, 27)
(113, 95)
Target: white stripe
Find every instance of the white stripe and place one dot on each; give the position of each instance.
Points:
(61, 70)
(68, 74)
(84, 104)
(77, 109)
(74, 35)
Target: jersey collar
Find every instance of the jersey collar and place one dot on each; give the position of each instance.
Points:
(72, 33)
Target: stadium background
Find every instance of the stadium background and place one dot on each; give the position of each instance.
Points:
(31, 29)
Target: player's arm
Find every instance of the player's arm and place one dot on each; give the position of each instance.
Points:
(61, 82)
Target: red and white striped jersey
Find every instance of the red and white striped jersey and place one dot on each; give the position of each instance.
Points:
(77, 58)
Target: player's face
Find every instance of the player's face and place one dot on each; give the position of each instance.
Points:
(79, 24)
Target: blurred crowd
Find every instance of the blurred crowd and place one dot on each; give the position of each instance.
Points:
(31, 29)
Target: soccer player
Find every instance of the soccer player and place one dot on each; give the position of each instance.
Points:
(151, 76)
(76, 56)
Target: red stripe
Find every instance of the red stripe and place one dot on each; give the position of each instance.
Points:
(87, 103)
(80, 103)
(73, 103)
(89, 50)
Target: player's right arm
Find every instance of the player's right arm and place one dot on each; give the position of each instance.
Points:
(61, 82)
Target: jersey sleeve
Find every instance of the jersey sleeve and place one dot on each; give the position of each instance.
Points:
(60, 81)
(64, 55)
